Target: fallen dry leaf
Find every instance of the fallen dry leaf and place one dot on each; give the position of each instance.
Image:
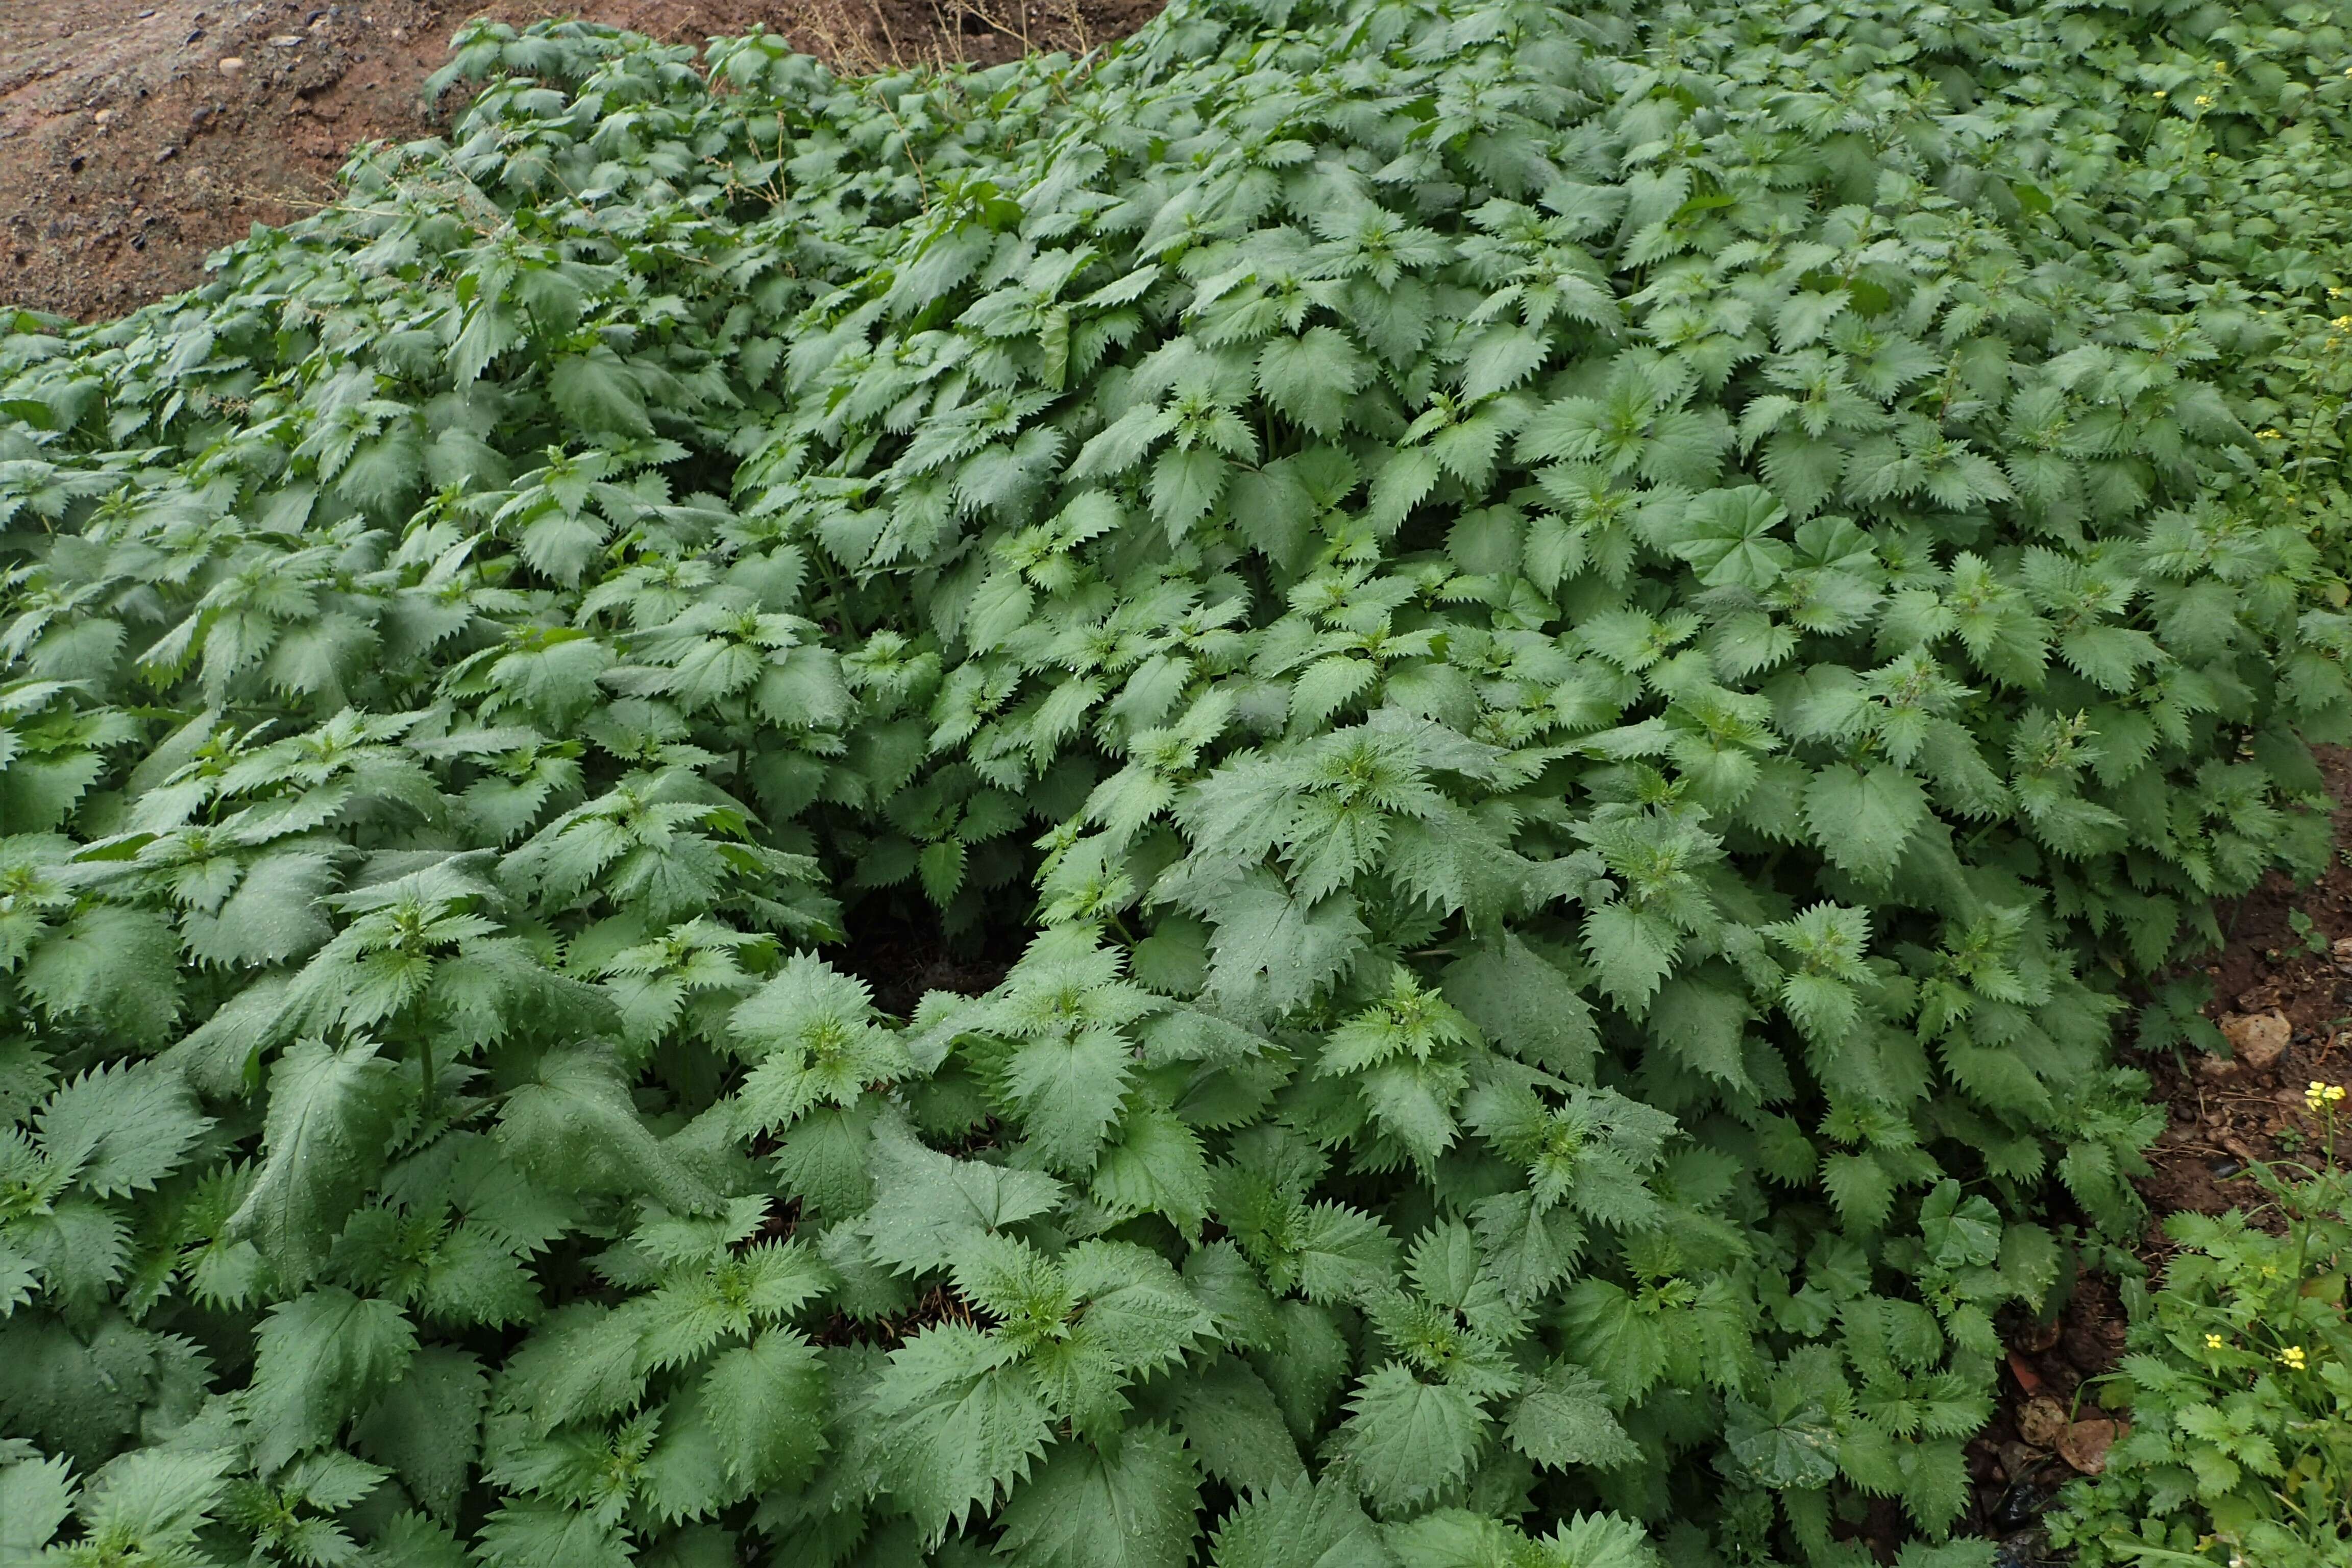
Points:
(2085, 1444)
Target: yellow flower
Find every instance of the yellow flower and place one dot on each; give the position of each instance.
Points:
(2341, 322)
(2268, 435)
(2204, 101)
(2212, 1342)
(2321, 1093)
(2161, 94)
(2292, 1358)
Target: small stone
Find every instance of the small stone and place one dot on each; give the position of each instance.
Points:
(2218, 1069)
(287, 41)
(165, 155)
(231, 64)
(103, 115)
(2257, 1040)
(2085, 1444)
(2043, 1421)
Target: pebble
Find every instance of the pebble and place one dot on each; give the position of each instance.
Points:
(2043, 1421)
(2021, 1550)
(231, 64)
(287, 41)
(2257, 1040)
(165, 155)
(102, 116)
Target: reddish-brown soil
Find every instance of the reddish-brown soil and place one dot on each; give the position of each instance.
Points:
(2225, 1113)
(130, 146)
(2230, 1113)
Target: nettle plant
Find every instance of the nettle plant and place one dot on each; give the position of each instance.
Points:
(2237, 1389)
(1573, 645)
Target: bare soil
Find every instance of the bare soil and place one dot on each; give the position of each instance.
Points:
(2225, 1113)
(2228, 1113)
(137, 136)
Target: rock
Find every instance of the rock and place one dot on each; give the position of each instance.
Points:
(287, 41)
(102, 116)
(2257, 1040)
(2023, 1550)
(2042, 1422)
(231, 64)
(2219, 1069)
(2085, 1444)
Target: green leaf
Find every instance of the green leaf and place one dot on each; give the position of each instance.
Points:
(1311, 377)
(1632, 951)
(321, 1359)
(574, 1126)
(152, 1501)
(1234, 1427)
(274, 915)
(427, 1426)
(113, 967)
(1154, 1164)
(1186, 483)
(1525, 1003)
(597, 392)
(1729, 537)
(1960, 1233)
(927, 1205)
(1528, 1247)
(546, 1535)
(1272, 949)
(121, 1130)
(35, 1497)
(1612, 1336)
(1404, 1440)
(330, 1114)
(765, 1404)
(1788, 1445)
(1564, 1419)
(1130, 1506)
(1297, 1524)
(958, 1425)
(1862, 820)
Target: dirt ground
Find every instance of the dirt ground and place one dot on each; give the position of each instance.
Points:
(2282, 994)
(136, 136)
